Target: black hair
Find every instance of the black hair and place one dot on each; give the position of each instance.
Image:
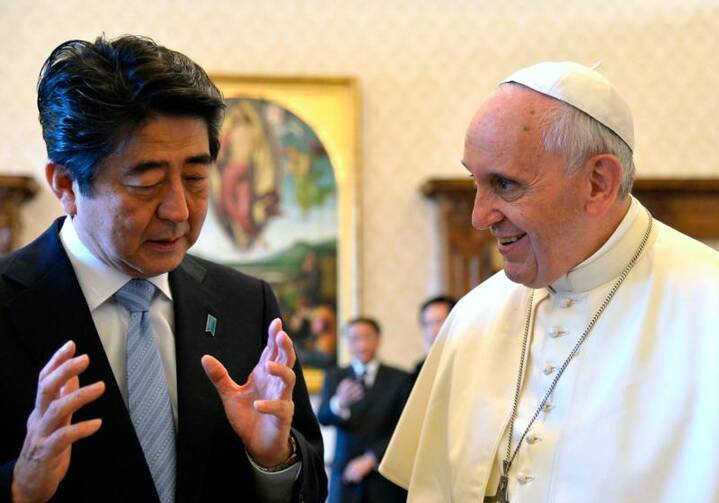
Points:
(91, 96)
(438, 299)
(367, 321)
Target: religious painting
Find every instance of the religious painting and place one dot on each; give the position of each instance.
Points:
(283, 201)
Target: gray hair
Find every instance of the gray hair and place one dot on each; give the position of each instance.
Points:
(577, 136)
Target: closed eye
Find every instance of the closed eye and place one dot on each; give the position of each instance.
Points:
(141, 187)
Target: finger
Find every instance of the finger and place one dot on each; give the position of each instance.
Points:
(71, 385)
(344, 384)
(349, 474)
(355, 398)
(64, 437)
(287, 376)
(356, 392)
(61, 355)
(286, 349)
(275, 328)
(49, 387)
(283, 409)
(60, 411)
(272, 331)
(355, 387)
(218, 375)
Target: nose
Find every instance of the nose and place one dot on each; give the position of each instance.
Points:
(173, 206)
(484, 214)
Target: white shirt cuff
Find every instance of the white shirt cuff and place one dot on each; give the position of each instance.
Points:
(337, 410)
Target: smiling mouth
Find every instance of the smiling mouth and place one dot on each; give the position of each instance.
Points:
(505, 241)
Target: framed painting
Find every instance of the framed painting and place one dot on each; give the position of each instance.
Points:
(284, 202)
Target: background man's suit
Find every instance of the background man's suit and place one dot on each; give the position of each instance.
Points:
(42, 306)
(369, 427)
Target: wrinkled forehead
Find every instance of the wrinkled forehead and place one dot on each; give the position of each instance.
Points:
(513, 115)
(516, 105)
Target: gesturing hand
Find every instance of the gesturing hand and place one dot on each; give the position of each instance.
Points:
(45, 455)
(358, 468)
(260, 411)
(349, 391)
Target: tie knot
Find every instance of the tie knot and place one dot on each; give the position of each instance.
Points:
(136, 295)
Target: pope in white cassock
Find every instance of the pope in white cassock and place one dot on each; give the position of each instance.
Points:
(587, 370)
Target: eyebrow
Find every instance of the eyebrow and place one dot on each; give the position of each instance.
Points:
(145, 166)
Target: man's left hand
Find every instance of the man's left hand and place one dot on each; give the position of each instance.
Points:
(361, 466)
(260, 411)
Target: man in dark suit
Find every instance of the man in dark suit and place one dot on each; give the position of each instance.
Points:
(131, 130)
(364, 401)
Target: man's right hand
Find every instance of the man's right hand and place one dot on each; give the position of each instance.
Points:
(349, 391)
(45, 455)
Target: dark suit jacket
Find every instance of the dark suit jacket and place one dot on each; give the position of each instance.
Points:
(369, 428)
(42, 306)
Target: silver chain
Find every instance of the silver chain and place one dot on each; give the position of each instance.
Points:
(509, 458)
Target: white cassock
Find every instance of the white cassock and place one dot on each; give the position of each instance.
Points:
(634, 418)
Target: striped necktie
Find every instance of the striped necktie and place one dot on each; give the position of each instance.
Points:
(148, 399)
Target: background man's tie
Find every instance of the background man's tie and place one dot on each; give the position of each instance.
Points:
(148, 399)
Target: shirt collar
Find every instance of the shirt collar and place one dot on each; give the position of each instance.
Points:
(611, 258)
(98, 280)
(370, 368)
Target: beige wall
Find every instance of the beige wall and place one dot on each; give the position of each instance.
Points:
(422, 66)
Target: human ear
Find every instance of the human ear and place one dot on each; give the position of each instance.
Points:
(61, 183)
(605, 178)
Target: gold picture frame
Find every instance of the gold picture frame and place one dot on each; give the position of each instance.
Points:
(330, 106)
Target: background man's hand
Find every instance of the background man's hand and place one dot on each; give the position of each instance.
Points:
(348, 392)
(45, 455)
(260, 411)
(361, 466)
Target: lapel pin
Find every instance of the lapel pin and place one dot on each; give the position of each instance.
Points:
(211, 325)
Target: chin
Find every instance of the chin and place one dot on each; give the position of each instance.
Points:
(155, 268)
(521, 278)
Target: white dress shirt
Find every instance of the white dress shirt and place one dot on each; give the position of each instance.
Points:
(99, 282)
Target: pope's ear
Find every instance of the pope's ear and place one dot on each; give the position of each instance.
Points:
(605, 179)
(60, 181)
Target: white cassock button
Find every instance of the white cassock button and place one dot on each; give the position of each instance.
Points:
(549, 369)
(557, 332)
(524, 478)
(533, 438)
(567, 302)
(547, 407)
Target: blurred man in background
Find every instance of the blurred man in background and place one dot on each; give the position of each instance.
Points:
(432, 314)
(364, 401)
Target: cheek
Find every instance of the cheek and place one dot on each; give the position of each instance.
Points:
(198, 211)
(130, 224)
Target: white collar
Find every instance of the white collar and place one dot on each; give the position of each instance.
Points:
(98, 281)
(369, 369)
(611, 258)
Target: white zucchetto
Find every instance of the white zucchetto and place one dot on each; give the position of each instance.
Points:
(583, 88)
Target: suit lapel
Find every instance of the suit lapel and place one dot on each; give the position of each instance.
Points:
(51, 310)
(198, 404)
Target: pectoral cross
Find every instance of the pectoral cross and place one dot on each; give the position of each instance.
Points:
(501, 496)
